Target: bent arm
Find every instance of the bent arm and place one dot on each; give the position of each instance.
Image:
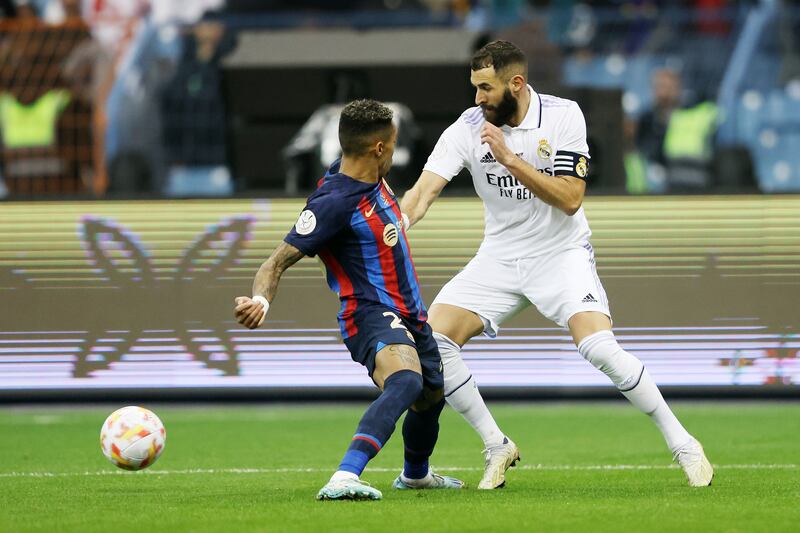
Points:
(270, 272)
(563, 192)
(418, 199)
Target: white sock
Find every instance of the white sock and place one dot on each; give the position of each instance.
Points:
(634, 382)
(416, 482)
(342, 474)
(461, 392)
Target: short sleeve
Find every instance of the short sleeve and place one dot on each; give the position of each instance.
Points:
(320, 221)
(450, 154)
(572, 155)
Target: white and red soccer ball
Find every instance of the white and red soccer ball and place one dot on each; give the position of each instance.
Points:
(132, 438)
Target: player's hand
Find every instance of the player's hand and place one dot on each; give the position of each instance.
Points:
(249, 312)
(493, 136)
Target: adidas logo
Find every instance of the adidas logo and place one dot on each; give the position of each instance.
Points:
(589, 299)
(488, 158)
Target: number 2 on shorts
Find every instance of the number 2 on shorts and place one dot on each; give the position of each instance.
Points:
(396, 322)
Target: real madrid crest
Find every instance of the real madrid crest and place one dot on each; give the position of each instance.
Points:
(582, 168)
(544, 151)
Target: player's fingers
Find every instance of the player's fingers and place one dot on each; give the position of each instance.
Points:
(245, 305)
(244, 313)
(254, 315)
(244, 319)
(258, 319)
(240, 300)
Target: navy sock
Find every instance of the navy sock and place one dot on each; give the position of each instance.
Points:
(420, 433)
(400, 390)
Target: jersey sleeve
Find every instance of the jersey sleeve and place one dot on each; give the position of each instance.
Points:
(321, 220)
(572, 156)
(451, 152)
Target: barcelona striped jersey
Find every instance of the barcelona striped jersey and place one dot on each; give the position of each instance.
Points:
(357, 231)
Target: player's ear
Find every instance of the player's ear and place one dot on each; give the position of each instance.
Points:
(379, 148)
(517, 83)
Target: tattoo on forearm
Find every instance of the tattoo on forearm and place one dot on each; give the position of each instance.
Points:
(267, 277)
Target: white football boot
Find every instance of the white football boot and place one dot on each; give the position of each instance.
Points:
(431, 481)
(348, 489)
(498, 459)
(692, 459)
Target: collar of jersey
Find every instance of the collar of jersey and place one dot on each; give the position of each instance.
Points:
(533, 118)
(351, 179)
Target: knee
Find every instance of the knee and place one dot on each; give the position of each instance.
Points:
(449, 351)
(405, 383)
(604, 353)
(431, 400)
(455, 323)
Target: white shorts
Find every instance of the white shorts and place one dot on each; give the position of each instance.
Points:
(559, 285)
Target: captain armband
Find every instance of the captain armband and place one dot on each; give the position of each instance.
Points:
(571, 164)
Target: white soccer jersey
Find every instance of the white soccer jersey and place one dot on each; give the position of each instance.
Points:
(552, 138)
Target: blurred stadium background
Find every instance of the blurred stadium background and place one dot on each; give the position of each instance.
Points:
(154, 152)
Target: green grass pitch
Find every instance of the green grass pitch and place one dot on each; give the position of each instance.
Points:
(586, 467)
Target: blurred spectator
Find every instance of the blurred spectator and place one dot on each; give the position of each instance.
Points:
(674, 142)
(652, 126)
(688, 148)
(133, 138)
(316, 146)
(192, 105)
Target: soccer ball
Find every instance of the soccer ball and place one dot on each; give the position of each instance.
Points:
(132, 438)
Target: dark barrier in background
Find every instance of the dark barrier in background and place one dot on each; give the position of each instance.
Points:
(271, 95)
(108, 299)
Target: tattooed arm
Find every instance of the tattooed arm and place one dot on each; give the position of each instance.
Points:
(251, 312)
(266, 282)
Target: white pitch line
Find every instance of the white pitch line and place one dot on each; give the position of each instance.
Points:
(542, 467)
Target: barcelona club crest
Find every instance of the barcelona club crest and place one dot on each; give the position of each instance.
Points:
(544, 151)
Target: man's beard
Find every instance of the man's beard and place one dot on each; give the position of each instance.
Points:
(502, 113)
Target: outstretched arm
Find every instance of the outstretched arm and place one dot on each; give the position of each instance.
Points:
(418, 199)
(250, 312)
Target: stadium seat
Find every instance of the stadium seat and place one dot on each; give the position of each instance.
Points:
(777, 159)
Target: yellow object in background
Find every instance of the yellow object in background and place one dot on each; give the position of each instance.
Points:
(34, 125)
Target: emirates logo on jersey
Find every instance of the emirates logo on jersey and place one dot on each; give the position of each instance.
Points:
(390, 235)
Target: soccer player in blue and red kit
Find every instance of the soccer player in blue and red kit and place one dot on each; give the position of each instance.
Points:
(354, 224)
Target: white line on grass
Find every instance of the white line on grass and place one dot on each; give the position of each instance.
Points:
(192, 471)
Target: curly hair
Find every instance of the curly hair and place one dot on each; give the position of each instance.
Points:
(360, 122)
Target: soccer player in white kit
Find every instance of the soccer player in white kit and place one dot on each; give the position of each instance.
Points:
(528, 157)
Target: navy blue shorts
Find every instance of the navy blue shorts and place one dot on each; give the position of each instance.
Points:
(379, 326)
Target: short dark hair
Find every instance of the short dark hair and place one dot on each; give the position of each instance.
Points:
(360, 122)
(500, 55)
